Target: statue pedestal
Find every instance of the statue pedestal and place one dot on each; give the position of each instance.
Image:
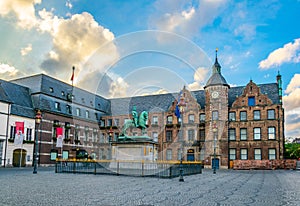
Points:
(130, 152)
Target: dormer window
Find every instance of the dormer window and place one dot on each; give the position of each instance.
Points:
(51, 90)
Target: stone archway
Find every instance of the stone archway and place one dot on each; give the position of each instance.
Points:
(19, 157)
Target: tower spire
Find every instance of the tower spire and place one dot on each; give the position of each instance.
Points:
(216, 67)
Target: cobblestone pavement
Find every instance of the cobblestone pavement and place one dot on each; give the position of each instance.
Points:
(227, 187)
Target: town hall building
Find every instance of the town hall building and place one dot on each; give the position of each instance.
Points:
(216, 125)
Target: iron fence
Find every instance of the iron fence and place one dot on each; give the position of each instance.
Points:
(162, 169)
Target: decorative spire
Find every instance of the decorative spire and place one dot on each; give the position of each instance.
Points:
(216, 66)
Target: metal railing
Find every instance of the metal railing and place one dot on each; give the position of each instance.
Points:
(162, 169)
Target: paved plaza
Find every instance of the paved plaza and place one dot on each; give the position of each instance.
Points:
(227, 187)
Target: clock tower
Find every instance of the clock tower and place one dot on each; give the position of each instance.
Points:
(216, 112)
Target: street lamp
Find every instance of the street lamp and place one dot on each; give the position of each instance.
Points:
(215, 130)
(181, 105)
(38, 118)
(110, 134)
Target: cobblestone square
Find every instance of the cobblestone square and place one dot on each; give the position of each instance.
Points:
(227, 187)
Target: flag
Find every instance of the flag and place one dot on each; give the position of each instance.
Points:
(72, 77)
(20, 127)
(19, 136)
(177, 111)
(59, 136)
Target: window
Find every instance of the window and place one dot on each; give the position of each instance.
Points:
(202, 117)
(109, 122)
(202, 135)
(169, 154)
(95, 135)
(271, 114)
(191, 135)
(155, 120)
(232, 154)
(215, 115)
(272, 154)
(155, 136)
(169, 136)
(78, 112)
(87, 114)
(231, 116)
(62, 93)
(243, 116)
(67, 130)
(57, 106)
(191, 118)
(12, 132)
(51, 90)
(117, 122)
(231, 134)
(86, 133)
(178, 154)
(69, 109)
(180, 137)
(256, 114)
(271, 133)
(169, 120)
(102, 123)
(251, 101)
(77, 130)
(243, 134)
(257, 133)
(257, 154)
(101, 140)
(29, 134)
(244, 154)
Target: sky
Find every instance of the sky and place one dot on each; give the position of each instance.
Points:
(123, 48)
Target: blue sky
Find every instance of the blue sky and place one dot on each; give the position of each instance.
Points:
(124, 48)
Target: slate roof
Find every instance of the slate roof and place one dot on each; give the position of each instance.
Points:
(46, 90)
(216, 78)
(19, 97)
(151, 103)
(44, 99)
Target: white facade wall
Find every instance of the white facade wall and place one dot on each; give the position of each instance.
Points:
(28, 147)
(4, 110)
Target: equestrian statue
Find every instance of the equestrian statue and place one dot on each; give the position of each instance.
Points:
(140, 121)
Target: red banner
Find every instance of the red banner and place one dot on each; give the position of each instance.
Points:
(59, 132)
(20, 127)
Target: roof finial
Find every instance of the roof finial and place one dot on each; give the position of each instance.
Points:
(217, 53)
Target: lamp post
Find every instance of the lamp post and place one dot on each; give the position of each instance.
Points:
(181, 105)
(110, 134)
(38, 118)
(215, 130)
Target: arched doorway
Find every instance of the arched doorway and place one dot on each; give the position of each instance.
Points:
(19, 158)
(190, 155)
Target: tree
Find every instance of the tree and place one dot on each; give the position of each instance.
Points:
(292, 151)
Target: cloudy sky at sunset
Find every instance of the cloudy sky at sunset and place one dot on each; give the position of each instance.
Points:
(134, 47)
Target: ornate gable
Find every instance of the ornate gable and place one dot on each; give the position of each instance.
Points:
(252, 96)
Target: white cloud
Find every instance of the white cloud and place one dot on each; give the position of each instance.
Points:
(294, 84)
(69, 4)
(289, 53)
(75, 41)
(195, 86)
(118, 88)
(292, 98)
(26, 50)
(200, 76)
(291, 102)
(247, 31)
(182, 17)
(23, 10)
(7, 69)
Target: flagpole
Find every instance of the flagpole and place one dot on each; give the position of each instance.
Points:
(72, 78)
